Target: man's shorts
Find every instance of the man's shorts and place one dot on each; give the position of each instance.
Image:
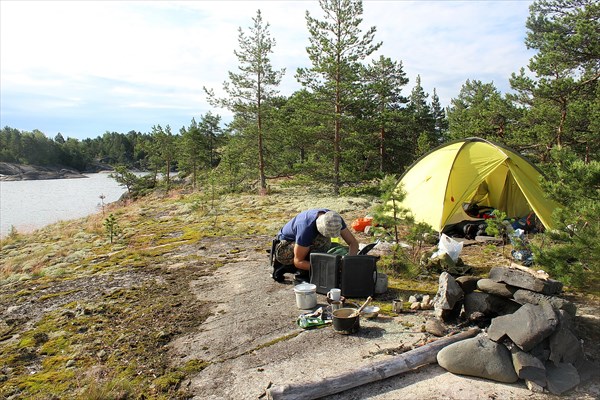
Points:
(284, 251)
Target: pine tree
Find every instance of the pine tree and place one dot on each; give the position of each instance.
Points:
(560, 105)
(385, 81)
(212, 133)
(573, 255)
(441, 121)
(297, 138)
(191, 152)
(421, 122)
(165, 148)
(567, 69)
(336, 51)
(481, 111)
(250, 89)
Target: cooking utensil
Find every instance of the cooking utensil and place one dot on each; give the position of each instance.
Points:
(345, 321)
(357, 312)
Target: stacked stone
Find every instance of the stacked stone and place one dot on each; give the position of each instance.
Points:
(530, 335)
(418, 302)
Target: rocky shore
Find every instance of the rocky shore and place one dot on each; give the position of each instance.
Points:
(21, 172)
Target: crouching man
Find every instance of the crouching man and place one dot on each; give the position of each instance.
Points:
(308, 232)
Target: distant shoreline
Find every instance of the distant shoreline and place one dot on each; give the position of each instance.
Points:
(21, 172)
(29, 205)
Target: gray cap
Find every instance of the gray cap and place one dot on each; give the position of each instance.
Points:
(329, 224)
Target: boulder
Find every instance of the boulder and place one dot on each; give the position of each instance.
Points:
(541, 351)
(426, 303)
(564, 345)
(527, 327)
(524, 280)
(467, 283)
(488, 304)
(479, 357)
(523, 296)
(496, 288)
(534, 387)
(561, 378)
(448, 296)
(587, 369)
(528, 367)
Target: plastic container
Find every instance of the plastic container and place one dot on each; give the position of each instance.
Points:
(325, 271)
(306, 295)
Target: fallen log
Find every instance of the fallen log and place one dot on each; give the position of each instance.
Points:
(426, 354)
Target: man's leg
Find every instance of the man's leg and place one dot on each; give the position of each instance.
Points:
(283, 260)
(321, 244)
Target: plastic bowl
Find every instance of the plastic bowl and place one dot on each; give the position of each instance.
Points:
(370, 312)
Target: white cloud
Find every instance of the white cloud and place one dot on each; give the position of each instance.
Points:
(449, 42)
(152, 57)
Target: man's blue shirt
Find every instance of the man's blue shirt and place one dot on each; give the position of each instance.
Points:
(302, 229)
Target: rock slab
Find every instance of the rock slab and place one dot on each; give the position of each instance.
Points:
(528, 367)
(488, 304)
(527, 327)
(499, 289)
(561, 378)
(435, 327)
(523, 296)
(468, 283)
(524, 280)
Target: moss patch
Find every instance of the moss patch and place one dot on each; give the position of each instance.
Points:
(124, 331)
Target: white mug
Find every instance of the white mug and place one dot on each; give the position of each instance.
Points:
(335, 294)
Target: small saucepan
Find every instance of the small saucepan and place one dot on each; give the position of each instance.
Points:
(346, 321)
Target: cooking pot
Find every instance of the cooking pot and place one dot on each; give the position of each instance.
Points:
(346, 321)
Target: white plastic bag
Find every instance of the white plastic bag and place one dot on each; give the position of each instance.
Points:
(449, 246)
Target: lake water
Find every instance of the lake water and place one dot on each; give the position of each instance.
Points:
(29, 205)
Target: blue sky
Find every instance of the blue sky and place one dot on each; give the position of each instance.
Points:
(83, 68)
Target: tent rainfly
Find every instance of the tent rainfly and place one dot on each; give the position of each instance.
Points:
(473, 170)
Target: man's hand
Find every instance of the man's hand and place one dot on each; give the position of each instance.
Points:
(351, 241)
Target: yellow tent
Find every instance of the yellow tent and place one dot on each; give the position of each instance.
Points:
(473, 170)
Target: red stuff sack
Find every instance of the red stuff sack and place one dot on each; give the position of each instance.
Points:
(360, 224)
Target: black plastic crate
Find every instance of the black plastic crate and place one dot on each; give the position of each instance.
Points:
(356, 275)
(324, 271)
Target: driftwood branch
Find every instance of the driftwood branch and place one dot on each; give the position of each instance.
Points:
(383, 369)
(537, 274)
